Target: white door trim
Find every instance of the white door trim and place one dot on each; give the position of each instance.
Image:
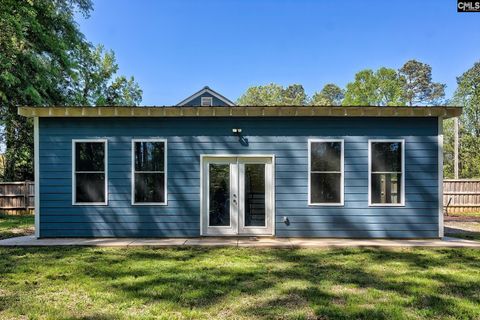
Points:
(239, 158)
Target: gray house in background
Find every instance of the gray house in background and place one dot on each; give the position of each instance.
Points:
(206, 167)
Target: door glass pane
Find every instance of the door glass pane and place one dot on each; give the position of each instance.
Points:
(255, 195)
(219, 194)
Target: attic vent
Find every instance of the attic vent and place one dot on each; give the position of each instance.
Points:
(206, 102)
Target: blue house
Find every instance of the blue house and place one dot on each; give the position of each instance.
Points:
(209, 168)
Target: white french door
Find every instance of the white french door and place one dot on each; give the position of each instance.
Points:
(237, 195)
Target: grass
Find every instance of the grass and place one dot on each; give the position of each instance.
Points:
(238, 283)
(14, 226)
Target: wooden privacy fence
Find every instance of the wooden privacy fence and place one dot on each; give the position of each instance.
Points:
(461, 195)
(17, 197)
(458, 196)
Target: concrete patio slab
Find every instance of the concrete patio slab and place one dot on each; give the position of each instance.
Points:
(265, 242)
(169, 242)
(447, 242)
(212, 242)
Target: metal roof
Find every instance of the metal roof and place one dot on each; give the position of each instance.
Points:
(241, 111)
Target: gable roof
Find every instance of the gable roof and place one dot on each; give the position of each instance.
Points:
(204, 90)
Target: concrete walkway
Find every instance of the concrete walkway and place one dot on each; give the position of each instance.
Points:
(447, 242)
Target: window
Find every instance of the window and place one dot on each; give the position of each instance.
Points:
(148, 172)
(386, 172)
(206, 101)
(325, 172)
(89, 172)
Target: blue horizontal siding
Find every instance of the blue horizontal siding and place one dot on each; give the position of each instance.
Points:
(286, 138)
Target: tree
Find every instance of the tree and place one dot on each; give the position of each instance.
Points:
(294, 95)
(330, 95)
(92, 82)
(419, 89)
(274, 95)
(40, 58)
(380, 88)
(466, 95)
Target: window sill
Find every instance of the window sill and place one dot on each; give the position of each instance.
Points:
(339, 204)
(386, 205)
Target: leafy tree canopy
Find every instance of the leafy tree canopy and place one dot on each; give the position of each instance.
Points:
(418, 87)
(274, 95)
(466, 95)
(380, 88)
(330, 95)
(46, 60)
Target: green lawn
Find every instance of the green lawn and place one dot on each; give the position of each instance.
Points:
(14, 226)
(213, 283)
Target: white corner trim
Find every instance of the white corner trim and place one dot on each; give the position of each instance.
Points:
(402, 190)
(165, 173)
(342, 173)
(440, 178)
(36, 166)
(74, 188)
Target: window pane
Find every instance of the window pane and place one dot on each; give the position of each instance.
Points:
(386, 157)
(255, 195)
(149, 156)
(325, 187)
(149, 187)
(386, 188)
(326, 156)
(90, 187)
(219, 193)
(89, 156)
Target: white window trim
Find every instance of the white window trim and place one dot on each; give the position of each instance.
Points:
(165, 171)
(74, 185)
(210, 99)
(402, 190)
(342, 174)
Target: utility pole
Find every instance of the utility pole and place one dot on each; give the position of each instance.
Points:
(455, 152)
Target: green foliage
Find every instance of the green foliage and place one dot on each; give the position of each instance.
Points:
(466, 95)
(419, 89)
(92, 82)
(448, 149)
(380, 88)
(274, 95)
(330, 95)
(45, 60)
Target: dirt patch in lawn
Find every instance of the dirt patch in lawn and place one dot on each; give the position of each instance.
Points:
(463, 227)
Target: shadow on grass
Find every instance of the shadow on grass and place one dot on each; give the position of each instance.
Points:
(254, 283)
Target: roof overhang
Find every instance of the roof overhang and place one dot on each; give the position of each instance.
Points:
(238, 111)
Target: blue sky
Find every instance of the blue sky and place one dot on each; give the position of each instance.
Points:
(173, 48)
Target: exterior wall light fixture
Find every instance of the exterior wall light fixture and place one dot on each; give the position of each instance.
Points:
(237, 131)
